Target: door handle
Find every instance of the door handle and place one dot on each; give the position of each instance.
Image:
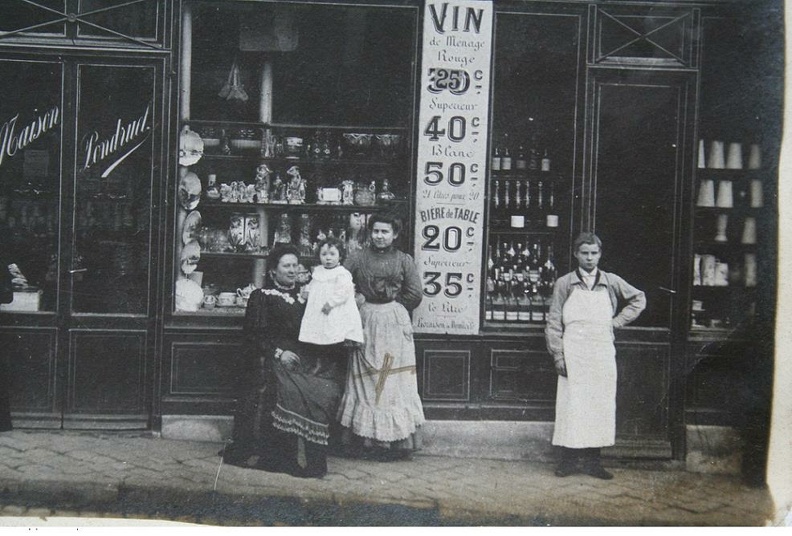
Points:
(78, 270)
(668, 290)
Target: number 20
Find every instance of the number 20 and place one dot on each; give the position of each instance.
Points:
(452, 238)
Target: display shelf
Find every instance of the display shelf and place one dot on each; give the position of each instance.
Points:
(302, 207)
(728, 236)
(233, 254)
(215, 311)
(295, 126)
(502, 228)
(307, 162)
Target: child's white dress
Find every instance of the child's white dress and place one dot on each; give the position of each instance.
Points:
(335, 287)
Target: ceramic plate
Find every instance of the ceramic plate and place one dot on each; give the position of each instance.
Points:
(191, 147)
(191, 225)
(189, 194)
(190, 255)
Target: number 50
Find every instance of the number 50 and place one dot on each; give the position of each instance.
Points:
(435, 174)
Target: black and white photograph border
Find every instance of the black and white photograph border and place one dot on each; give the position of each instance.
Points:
(122, 368)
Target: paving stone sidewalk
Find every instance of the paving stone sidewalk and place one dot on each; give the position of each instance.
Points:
(72, 474)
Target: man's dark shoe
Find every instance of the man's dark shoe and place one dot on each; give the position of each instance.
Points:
(597, 472)
(566, 469)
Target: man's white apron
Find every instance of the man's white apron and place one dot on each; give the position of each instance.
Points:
(586, 398)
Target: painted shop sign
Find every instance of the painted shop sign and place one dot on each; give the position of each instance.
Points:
(452, 156)
(125, 140)
(15, 138)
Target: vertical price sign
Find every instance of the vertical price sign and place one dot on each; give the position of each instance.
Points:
(452, 158)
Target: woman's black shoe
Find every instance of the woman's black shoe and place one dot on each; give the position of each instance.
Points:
(389, 455)
(347, 451)
(309, 472)
(597, 472)
(397, 455)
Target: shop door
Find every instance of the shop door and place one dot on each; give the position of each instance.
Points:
(79, 170)
(639, 131)
(81, 151)
(107, 303)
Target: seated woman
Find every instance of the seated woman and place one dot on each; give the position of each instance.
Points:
(288, 390)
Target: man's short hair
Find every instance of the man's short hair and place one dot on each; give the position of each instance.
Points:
(587, 238)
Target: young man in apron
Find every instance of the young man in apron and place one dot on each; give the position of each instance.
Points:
(587, 304)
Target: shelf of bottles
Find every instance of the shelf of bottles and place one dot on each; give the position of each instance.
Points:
(521, 273)
(521, 267)
(729, 206)
(523, 189)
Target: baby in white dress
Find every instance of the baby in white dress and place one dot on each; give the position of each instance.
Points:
(331, 314)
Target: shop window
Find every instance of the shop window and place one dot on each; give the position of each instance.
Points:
(331, 65)
(30, 143)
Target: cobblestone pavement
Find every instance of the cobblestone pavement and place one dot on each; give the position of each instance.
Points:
(45, 474)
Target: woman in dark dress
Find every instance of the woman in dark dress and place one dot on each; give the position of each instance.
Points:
(289, 390)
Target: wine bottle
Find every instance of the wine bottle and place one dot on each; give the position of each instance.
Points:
(545, 165)
(534, 266)
(495, 164)
(533, 155)
(489, 306)
(498, 303)
(511, 301)
(506, 159)
(518, 194)
(537, 305)
(525, 260)
(523, 305)
(549, 271)
(528, 195)
(520, 161)
(510, 254)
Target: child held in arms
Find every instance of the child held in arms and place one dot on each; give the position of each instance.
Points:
(331, 314)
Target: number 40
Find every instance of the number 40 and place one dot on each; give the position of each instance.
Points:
(455, 128)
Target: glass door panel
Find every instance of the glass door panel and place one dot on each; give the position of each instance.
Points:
(31, 113)
(119, 18)
(113, 189)
(39, 17)
(638, 174)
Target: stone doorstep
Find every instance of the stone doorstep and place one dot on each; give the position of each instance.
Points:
(496, 440)
(499, 440)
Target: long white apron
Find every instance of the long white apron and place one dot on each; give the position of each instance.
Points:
(586, 398)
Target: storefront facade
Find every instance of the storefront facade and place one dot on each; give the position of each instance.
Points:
(161, 147)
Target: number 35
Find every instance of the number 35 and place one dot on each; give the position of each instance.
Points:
(452, 287)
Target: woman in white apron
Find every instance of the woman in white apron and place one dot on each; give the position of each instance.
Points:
(587, 304)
